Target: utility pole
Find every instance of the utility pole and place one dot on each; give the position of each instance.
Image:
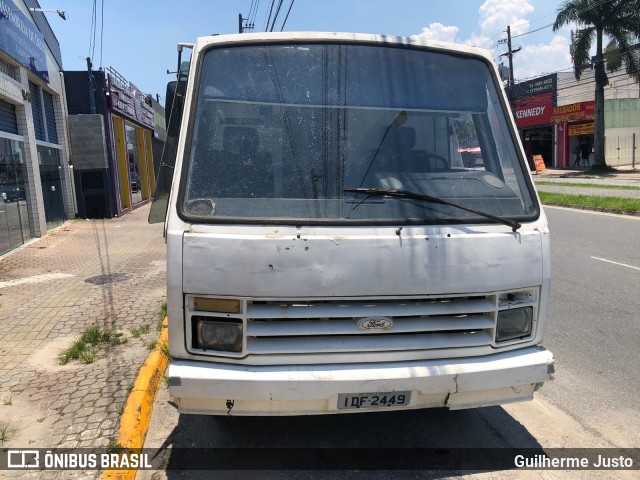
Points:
(509, 53)
(92, 87)
(243, 24)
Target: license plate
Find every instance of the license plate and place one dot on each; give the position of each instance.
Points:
(355, 401)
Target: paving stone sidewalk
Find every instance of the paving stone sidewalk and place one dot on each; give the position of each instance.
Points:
(46, 302)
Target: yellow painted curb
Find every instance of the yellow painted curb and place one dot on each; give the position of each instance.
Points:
(135, 419)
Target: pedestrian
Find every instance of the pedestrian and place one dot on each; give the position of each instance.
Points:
(585, 153)
(576, 162)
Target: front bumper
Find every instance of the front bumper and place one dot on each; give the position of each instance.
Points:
(210, 388)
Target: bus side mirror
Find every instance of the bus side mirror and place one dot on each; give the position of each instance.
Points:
(174, 105)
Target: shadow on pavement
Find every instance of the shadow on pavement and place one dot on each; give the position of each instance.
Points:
(371, 436)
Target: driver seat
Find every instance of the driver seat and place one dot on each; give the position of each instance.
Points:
(398, 155)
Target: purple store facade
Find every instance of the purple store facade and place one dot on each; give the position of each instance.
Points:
(112, 131)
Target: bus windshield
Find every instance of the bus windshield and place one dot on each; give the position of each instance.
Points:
(286, 132)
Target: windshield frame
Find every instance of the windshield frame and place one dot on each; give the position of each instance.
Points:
(296, 221)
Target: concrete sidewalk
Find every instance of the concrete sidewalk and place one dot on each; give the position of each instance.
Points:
(625, 173)
(105, 272)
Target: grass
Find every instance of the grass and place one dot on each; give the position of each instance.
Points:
(115, 447)
(587, 185)
(7, 402)
(88, 355)
(607, 204)
(141, 330)
(151, 345)
(86, 348)
(4, 434)
(164, 349)
(162, 312)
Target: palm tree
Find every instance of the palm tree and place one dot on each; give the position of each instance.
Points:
(619, 20)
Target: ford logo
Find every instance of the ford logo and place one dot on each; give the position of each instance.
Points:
(375, 323)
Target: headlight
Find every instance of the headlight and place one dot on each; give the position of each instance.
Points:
(221, 335)
(514, 323)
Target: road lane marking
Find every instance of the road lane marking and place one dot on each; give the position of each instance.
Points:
(616, 263)
(35, 279)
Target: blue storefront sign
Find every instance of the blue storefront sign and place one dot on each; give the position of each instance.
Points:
(22, 40)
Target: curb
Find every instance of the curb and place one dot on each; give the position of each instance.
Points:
(134, 422)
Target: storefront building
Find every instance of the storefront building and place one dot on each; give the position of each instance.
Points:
(36, 189)
(574, 133)
(575, 125)
(111, 127)
(535, 101)
(555, 118)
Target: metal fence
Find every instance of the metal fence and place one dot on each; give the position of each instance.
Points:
(621, 150)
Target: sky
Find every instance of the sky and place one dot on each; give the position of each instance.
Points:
(138, 38)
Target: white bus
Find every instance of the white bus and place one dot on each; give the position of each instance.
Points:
(331, 246)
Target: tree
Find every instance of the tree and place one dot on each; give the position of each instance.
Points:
(619, 20)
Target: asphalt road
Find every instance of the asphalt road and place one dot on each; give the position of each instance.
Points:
(592, 403)
(593, 326)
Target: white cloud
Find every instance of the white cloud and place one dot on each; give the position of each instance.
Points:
(534, 60)
(438, 31)
(494, 16)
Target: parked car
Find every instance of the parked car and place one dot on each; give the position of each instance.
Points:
(135, 181)
(12, 192)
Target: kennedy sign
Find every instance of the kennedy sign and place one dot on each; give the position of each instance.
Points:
(22, 40)
(534, 110)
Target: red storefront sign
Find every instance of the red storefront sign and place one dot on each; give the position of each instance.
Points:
(574, 112)
(534, 110)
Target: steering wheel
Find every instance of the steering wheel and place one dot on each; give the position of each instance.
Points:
(443, 163)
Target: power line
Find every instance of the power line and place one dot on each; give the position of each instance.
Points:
(287, 17)
(509, 38)
(532, 31)
(101, 31)
(252, 15)
(266, 27)
(494, 44)
(92, 32)
(275, 16)
(578, 12)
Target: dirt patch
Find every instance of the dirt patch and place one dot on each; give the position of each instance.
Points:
(45, 358)
(27, 424)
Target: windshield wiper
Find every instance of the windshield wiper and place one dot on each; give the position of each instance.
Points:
(393, 192)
